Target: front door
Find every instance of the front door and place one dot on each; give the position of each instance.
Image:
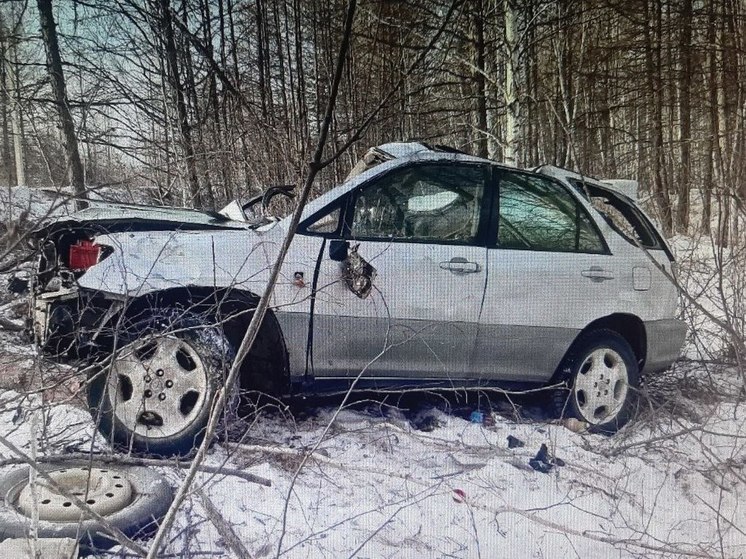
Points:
(421, 229)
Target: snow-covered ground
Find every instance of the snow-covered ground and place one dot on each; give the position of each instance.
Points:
(669, 485)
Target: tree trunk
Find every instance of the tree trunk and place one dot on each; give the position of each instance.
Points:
(239, 106)
(219, 152)
(712, 145)
(685, 117)
(188, 83)
(655, 88)
(479, 81)
(5, 102)
(260, 56)
(57, 77)
(512, 150)
(16, 121)
(301, 80)
(185, 130)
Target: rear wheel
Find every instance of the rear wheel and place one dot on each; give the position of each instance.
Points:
(602, 378)
(155, 394)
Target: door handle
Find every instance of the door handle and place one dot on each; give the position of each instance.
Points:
(597, 274)
(461, 266)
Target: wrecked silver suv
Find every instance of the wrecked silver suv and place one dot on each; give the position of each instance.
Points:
(425, 268)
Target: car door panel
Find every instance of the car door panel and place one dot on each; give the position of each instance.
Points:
(535, 305)
(292, 301)
(421, 315)
(550, 275)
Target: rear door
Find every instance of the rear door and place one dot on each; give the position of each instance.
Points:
(643, 248)
(422, 229)
(550, 274)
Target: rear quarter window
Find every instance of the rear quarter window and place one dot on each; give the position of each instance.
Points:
(536, 213)
(622, 216)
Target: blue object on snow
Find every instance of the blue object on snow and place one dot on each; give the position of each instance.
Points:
(476, 417)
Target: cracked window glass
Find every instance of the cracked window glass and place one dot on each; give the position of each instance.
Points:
(621, 215)
(325, 224)
(428, 203)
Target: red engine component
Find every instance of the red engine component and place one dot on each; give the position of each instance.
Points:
(83, 255)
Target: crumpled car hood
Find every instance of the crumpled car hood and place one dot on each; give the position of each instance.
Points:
(107, 217)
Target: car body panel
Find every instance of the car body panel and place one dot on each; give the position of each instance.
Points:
(535, 295)
(119, 216)
(419, 319)
(664, 339)
(146, 262)
(660, 299)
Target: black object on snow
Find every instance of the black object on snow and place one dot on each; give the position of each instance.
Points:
(515, 442)
(543, 462)
(540, 466)
(427, 423)
(543, 454)
(18, 283)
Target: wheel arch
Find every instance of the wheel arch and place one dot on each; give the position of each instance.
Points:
(628, 326)
(232, 309)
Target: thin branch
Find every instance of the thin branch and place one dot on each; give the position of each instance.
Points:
(257, 319)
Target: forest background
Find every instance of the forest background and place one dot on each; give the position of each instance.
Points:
(196, 102)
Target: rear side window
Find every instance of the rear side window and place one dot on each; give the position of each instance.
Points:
(538, 214)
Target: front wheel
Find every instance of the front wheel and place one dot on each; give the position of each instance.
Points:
(155, 394)
(602, 376)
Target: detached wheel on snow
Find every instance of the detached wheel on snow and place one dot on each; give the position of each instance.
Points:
(155, 395)
(132, 499)
(603, 379)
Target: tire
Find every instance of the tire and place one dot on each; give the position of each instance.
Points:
(153, 396)
(149, 497)
(602, 382)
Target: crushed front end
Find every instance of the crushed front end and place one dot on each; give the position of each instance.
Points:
(65, 320)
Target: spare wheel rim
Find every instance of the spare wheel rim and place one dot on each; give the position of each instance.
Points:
(105, 491)
(601, 386)
(158, 386)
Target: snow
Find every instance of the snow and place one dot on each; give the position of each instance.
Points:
(669, 485)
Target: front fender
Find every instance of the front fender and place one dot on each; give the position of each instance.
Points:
(143, 263)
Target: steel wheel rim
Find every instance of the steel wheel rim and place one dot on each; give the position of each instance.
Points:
(601, 386)
(157, 386)
(105, 491)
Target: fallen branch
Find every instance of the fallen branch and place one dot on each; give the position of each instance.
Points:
(10, 325)
(225, 530)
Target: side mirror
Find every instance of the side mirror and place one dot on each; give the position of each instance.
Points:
(338, 250)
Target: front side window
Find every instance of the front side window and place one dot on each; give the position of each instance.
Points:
(423, 203)
(327, 223)
(537, 214)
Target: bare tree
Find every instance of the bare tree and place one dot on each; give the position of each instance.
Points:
(57, 78)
